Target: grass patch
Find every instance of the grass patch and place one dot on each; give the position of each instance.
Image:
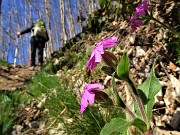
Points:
(10, 104)
(3, 63)
(63, 106)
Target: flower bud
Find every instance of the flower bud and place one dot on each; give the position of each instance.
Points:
(108, 70)
(102, 98)
(110, 59)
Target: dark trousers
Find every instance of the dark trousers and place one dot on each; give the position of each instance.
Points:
(37, 44)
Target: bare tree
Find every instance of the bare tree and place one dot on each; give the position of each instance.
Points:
(18, 44)
(2, 43)
(62, 18)
(37, 8)
(56, 29)
(28, 3)
(80, 14)
(49, 46)
(70, 20)
(1, 29)
(9, 40)
(0, 5)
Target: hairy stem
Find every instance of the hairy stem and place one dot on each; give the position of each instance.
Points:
(138, 99)
(129, 112)
(118, 100)
(166, 26)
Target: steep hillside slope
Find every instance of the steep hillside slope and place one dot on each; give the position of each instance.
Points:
(55, 108)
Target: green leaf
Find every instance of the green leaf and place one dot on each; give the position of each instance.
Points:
(115, 125)
(137, 110)
(102, 3)
(141, 125)
(147, 91)
(117, 98)
(123, 68)
(120, 125)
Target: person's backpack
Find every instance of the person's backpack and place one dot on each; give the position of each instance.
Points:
(39, 29)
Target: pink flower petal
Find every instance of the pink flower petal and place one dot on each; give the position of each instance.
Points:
(135, 23)
(99, 50)
(94, 86)
(108, 42)
(91, 63)
(98, 56)
(84, 104)
(88, 95)
(99, 47)
(141, 8)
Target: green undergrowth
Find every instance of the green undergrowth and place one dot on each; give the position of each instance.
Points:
(63, 107)
(59, 101)
(69, 60)
(11, 103)
(3, 63)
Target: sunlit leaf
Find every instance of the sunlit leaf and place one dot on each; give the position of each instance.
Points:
(141, 125)
(123, 68)
(147, 91)
(120, 125)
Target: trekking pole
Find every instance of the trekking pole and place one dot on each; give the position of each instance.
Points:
(16, 53)
(44, 51)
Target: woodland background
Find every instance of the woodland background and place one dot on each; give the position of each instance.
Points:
(64, 19)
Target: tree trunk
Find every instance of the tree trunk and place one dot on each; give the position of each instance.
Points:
(2, 43)
(18, 44)
(9, 41)
(37, 8)
(70, 20)
(27, 38)
(63, 23)
(49, 44)
(80, 15)
(0, 6)
(1, 30)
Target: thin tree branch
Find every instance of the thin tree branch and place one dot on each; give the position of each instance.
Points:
(8, 33)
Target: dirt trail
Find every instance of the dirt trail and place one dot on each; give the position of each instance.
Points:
(14, 78)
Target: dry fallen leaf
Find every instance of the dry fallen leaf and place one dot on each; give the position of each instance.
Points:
(172, 66)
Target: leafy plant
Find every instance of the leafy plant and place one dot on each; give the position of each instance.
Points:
(6, 117)
(143, 94)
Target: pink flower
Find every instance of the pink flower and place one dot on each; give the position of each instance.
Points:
(99, 50)
(88, 95)
(134, 23)
(141, 8)
(140, 12)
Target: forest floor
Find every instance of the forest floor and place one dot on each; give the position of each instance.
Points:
(144, 46)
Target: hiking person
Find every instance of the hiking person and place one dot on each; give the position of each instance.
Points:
(39, 37)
